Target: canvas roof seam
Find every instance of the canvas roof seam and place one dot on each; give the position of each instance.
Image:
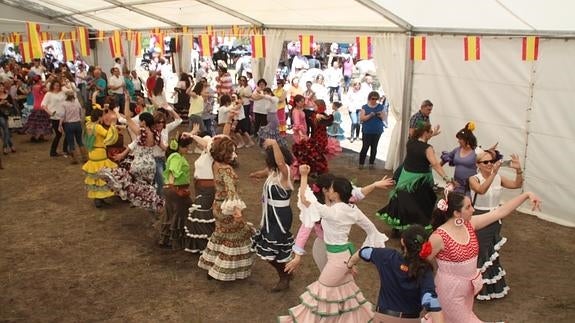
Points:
(401, 23)
(77, 12)
(143, 13)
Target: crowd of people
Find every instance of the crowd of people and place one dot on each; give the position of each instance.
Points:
(129, 148)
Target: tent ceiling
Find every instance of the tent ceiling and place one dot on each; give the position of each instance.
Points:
(526, 16)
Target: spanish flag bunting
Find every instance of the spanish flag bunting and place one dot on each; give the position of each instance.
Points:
(236, 31)
(206, 44)
(73, 35)
(61, 35)
(101, 35)
(210, 30)
(129, 35)
(471, 48)
(33, 30)
(15, 38)
(155, 31)
(258, 46)
(185, 30)
(46, 36)
(417, 48)
(306, 44)
(530, 51)
(137, 43)
(84, 38)
(363, 44)
(25, 52)
(116, 45)
(68, 49)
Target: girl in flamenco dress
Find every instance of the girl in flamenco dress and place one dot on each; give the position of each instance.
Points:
(321, 121)
(305, 151)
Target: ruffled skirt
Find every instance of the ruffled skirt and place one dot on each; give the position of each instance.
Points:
(200, 221)
(228, 255)
(174, 217)
(270, 243)
(490, 242)
(334, 297)
(95, 185)
(38, 124)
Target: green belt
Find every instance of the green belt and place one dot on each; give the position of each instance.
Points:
(337, 248)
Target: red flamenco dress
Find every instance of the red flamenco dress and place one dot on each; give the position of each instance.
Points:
(305, 150)
(329, 146)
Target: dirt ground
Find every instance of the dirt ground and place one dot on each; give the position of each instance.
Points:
(62, 260)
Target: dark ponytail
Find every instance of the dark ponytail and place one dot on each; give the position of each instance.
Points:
(342, 186)
(321, 182)
(413, 238)
(454, 203)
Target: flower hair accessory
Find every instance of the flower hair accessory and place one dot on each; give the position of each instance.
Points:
(425, 250)
(442, 204)
(315, 188)
(470, 126)
(174, 144)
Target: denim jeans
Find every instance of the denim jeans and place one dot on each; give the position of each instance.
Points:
(355, 126)
(6, 136)
(159, 176)
(73, 132)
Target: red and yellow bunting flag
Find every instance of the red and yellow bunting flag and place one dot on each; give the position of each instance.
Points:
(73, 35)
(363, 44)
(185, 30)
(15, 38)
(33, 30)
(45, 36)
(116, 45)
(306, 44)
(129, 35)
(61, 35)
(25, 52)
(210, 30)
(188, 33)
(530, 51)
(84, 41)
(258, 46)
(417, 48)
(68, 49)
(101, 35)
(137, 43)
(471, 48)
(206, 44)
(236, 30)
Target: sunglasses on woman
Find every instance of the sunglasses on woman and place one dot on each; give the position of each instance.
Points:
(485, 162)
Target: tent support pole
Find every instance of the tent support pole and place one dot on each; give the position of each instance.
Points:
(407, 98)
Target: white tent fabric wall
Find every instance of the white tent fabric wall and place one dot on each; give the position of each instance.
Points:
(390, 54)
(495, 92)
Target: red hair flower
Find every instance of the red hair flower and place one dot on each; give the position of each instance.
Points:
(425, 250)
(315, 188)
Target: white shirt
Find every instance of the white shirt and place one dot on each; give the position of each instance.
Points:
(203, 165)
(337, 220)
(333, 77)
(491, 199)
(116, 81)
(355, 100)
(271, 103)
(54, 103)
(245, 92)
(260, 105)
(223, 112)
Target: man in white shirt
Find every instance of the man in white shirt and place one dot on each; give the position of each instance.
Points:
(116, 87)
(333, 78)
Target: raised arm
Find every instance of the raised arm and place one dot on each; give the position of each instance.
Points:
(518, 182)
(483, 220)
(430, 154)
(279, 159)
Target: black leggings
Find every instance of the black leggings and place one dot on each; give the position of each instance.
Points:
(260, 121)
(56, 139)
(370, 140)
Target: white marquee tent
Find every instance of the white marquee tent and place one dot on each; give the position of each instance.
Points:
(523, 105)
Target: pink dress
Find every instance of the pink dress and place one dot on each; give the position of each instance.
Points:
(458, 279)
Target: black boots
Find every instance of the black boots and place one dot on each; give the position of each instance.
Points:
(283, 283)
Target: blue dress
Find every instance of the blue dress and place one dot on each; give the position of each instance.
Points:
(335, 130)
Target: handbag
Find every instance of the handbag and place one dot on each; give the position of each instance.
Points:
(14, 122)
